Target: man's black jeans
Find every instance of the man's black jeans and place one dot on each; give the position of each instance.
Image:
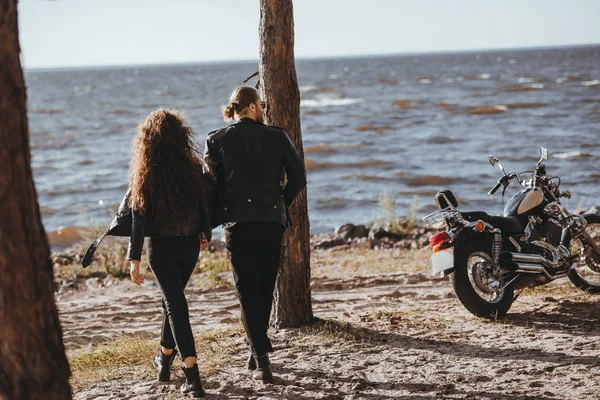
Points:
(255, 248)
(172, 260)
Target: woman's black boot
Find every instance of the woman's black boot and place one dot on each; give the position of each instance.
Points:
(192, 384)
(162, 363)
(263, 369)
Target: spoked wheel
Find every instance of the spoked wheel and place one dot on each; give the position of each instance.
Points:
(479, 285)
(586, 272)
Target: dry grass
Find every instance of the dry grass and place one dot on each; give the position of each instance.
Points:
(112, 360)
(352, 262)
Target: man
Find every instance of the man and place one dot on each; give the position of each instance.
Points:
(248, 160)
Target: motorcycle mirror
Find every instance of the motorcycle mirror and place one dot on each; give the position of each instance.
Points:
(544, 153)
(493, 161)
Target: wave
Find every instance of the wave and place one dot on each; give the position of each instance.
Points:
(364, 177)
(47, 211)
(66, 236)
(447, 106)
(403, 103)
(572, 154)
(326, 148)
(327, 102)
(391, 82)
(313, 111)
(568, 78)
(532, 104)
(441, 140)
(489, 110)
(121, 112)
(477, 77)
(312, 165)
(48, 111)
(591, 83)
(526, 88)
(316, 89)
(332, 203)
(429, 180)
(378, 129)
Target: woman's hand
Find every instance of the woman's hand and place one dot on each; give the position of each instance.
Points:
(203, 243)
(134, 272)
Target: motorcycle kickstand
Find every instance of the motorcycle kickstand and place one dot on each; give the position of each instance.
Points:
(516, 296)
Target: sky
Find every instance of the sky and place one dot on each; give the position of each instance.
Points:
(74, 33)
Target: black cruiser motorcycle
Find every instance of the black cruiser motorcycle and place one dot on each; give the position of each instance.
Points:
(491, 259)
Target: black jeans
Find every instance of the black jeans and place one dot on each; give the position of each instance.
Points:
(255, 248)
(172, 260)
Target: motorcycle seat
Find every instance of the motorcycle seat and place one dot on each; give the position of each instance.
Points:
(508, 225)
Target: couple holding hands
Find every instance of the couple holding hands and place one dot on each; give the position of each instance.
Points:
(177, 195)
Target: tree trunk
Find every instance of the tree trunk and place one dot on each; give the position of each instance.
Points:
(279, 87)
(33, 364)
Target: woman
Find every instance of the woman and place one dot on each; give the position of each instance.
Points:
(169, 199)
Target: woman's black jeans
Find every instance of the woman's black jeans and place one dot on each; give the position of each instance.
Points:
(172, 260)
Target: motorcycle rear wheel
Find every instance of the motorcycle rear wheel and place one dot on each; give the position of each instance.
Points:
(474, 289)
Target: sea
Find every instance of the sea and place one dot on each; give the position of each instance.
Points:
(397, 127)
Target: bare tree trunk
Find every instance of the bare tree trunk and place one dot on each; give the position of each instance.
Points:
(280, 90)
(33, 364)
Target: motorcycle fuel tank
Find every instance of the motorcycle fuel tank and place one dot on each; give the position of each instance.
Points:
(524, 202)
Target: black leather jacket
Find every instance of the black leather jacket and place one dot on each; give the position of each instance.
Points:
(248, 160)
(196, 220)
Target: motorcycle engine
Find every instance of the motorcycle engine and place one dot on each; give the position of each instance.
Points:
(552, 231)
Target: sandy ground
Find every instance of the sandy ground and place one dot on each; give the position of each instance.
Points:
(399, 335)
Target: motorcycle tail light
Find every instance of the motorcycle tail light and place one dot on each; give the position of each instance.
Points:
(439, 238)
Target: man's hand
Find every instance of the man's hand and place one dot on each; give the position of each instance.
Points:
(134, 272)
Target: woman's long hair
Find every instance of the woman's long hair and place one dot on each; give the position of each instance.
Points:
(167, 170)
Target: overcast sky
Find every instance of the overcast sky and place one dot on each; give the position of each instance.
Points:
(68, 33)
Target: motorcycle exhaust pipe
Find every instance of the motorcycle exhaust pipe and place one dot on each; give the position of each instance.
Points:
(530, 263)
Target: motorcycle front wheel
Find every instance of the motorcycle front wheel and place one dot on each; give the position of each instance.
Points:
(586, 273)
(477, 283)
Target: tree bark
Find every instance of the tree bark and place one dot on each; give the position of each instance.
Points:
(279, 86)
(33, 364)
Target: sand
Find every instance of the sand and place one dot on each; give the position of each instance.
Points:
(399, 335)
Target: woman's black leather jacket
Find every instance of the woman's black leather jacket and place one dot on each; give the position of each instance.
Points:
(195, 221)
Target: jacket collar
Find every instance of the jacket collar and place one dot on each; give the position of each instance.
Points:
(246, 119)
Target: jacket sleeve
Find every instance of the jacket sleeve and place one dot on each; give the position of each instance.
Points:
(207, 206)
(294, 168)
(136, 240)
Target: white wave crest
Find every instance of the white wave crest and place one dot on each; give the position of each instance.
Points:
(326, 102)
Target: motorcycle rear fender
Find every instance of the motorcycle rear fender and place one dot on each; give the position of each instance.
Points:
(468, 239)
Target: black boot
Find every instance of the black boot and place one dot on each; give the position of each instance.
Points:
(251, 362)
(192, 385)
(162, 363)
(263, 369)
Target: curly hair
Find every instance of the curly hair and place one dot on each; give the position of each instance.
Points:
(167, 171)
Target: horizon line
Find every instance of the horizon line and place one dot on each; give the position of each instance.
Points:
(301, 58)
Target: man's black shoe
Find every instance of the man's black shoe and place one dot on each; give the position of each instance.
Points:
(162, 363)
(263, 369)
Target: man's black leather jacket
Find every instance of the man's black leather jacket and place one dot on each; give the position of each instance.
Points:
(248, 160)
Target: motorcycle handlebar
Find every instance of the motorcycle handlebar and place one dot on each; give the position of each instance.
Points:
(495, 189)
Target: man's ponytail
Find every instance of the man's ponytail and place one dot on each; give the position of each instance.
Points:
(229, 111)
